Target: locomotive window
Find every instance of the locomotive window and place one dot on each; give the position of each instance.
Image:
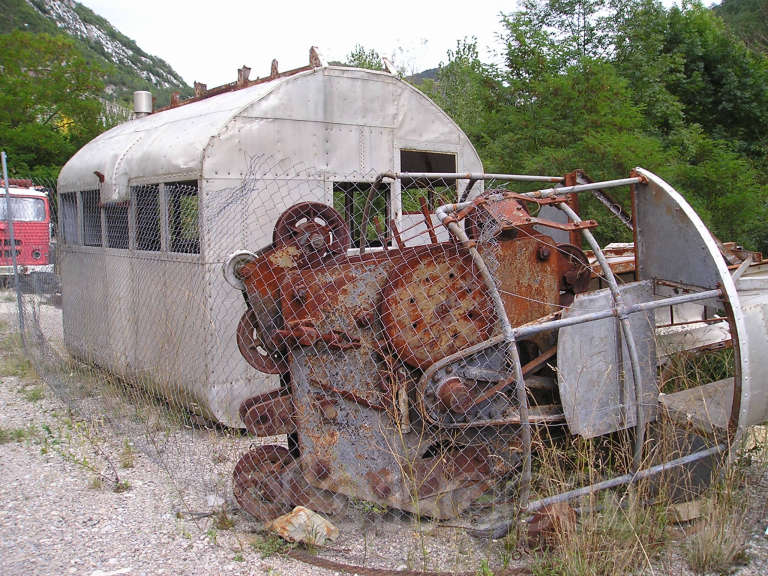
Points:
(116, 219)
(91, 218)
(148, 218)
(183, 227)
(349, 200)
(436, 191)
(69, 218)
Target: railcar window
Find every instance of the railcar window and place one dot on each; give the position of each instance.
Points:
(116, 219)
(91, 218)
(349, 200)
(436, 192)
(68, 212)
(183, 226)
(148, 217)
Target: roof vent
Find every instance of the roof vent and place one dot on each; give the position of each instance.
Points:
(142, 103)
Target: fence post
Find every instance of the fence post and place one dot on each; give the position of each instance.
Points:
(12, 247)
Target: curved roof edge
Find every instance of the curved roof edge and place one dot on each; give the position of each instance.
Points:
(170, 144)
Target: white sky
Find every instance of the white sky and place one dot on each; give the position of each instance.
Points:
(209, 41)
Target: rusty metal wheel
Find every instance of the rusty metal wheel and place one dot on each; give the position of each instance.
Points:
(252, 347)
(316, 228)
(257, 481)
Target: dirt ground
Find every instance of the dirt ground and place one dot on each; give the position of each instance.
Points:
(57, 517)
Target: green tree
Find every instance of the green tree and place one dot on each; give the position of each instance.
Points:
(49, 99)
(361, 57)
(469, 91)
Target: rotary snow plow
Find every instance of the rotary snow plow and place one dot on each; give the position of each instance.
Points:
(413, 374)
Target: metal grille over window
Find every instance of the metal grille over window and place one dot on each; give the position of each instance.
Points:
(149, 215)
(183, 225)
(116, 219)
(349, 199)
(91, 218)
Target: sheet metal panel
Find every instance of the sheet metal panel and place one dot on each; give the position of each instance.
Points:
(593, 366)
(664, 221)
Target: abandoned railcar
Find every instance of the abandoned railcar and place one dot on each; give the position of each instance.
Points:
(151, 209)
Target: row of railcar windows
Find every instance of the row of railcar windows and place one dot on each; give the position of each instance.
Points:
(165, 219)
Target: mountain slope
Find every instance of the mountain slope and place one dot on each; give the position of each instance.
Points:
(748, 19)
(128, 67)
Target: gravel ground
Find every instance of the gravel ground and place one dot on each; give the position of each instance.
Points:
(56, 519)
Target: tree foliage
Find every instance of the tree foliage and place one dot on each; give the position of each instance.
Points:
(361, 57)
(608, 86)
(49, 100)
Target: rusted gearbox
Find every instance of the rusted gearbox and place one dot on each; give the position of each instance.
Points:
(352, 337)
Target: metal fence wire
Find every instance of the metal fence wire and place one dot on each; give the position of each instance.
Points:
(388, 352)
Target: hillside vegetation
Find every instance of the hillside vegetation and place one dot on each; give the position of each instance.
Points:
(67, 75)
(609, 87)
(125, 67)
(748, 19)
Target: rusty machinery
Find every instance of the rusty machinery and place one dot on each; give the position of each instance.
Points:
(411, 375)
(354, 337)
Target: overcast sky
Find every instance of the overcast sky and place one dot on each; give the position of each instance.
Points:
(209, 41)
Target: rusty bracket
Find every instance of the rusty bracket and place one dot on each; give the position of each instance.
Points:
(302, 334)
(568, 227)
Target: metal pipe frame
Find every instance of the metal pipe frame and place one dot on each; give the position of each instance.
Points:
(512, 353)
(502, 529)
(626, 330)
(474, 176)
(617, 311)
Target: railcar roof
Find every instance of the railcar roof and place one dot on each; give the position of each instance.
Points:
(171, 144)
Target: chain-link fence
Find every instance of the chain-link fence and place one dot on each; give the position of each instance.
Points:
(413, 356)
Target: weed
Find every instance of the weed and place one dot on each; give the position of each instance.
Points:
(484, 569)
(238, 558)
(8, 435)
(269, 544)
(122, 486)
(222, 521)
(212, 535)
(96, 482)
(127, 455)
(719, 544)
(13, 361)
(630, 526)
(368, 508)
(33, 393)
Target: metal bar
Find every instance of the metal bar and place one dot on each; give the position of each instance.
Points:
(468, 189)
(549, 192)
(395, 233)
(531, 329)
(512, 355)
(626, 329)
(368, 201)
(427, 219)
(12, 247)
(502, 529)
(475, 176)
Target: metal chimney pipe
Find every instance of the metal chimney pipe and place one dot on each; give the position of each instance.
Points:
(142, 103)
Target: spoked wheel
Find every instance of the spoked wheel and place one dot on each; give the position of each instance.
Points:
(257, 482)
(267, 482)
(254, 350)
(316, 228)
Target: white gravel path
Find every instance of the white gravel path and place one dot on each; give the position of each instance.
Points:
(53, 522)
